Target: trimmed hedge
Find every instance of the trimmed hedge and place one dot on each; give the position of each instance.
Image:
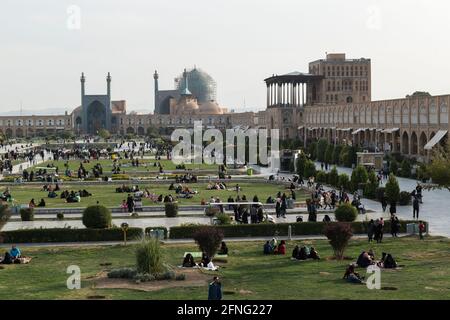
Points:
(147, 230)
(67, 235)
(270, 229)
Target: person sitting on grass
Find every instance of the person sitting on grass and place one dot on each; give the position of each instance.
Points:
(281, 249)
(32, 204)
(188, 261)
(302, 254)
(41, 203)
(267, 248)
(313, 254)
(52, 194)
(223, 249)
(124, 205)
(364, 260)
(205, 260)
(15, 252)
(273, 244)
(352, 276)
(387, 261)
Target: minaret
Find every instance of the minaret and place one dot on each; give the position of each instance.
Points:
(155, 77)
(82, 80)
(108, 85)
(185, 90)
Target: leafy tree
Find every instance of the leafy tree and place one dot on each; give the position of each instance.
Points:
(321, 149)
(301, 162)
(152, 132)
(345, 212)
(310, 169)
(338, 234)
(393, 167)
(312, 150)
(329, 153)
(336, 152)
(208, 239)
(405, 168)
(344, 182)
(370, 189)
(343, 156)
(104, 134)
(439, 168)
(333, 177)
(359, 175)
(392, 189)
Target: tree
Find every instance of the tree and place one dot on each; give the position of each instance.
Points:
(393, 167)
(370, 190)
(208, 239)
(405, 168)
(338, 234)
(104, 134)
(392, 189)
(359, 175)
(310, 169)
(439, 168)
(345, 212)
(344, 182)
(152, 132)
(333, 177)
(329, 153)
(301, 162)
(343, 156)
(312, 150)
(336, 153)
(321, 149)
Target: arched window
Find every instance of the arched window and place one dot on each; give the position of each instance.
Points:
(423, 114)
(389, 115)
(414, 114)
(374, 115)
(381, 114)
(405, 114)
(444, 113)
(433, 114)
(368, 116)
(397, 114)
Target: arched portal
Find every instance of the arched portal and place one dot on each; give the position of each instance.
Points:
(141, 131)
(96, 117)
(422, 143)
(414, 144)
(405, 143)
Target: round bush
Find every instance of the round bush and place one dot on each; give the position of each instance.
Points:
(223, 218)
(405, 198)
(27, 214)
(97, 217)
(171, 209)
(346, 213)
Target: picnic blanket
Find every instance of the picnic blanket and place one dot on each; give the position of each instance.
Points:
(22, 260)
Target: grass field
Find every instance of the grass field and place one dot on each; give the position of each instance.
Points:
(125, 165)
(106, 194)
(425, 274)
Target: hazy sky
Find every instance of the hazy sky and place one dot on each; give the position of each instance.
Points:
(238, 42)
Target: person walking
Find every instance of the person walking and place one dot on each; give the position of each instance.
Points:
(421, 230)
(416, 205)
(215, 289)
(384, 203)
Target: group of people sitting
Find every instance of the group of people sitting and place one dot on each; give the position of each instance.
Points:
(12, 256)
(305, 253)
(206, 261)
(216, 186)
(366, 259)
(272, 247)
(73, 196)
(183, 191)
(186, 178)
(6, 195)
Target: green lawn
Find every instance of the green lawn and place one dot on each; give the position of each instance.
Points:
(144, 165)
(106, 194)
(425, 275)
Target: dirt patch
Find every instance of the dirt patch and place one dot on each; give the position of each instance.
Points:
(245, 292)
(323, 273)
(194, 278)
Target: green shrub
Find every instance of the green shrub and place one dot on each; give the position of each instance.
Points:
(68, 235)
(404, 198)
(393, 167)
(344, 182)
(380, 193)
(405, 170)
(322, 145)
(321, 177)
(392, 189)
(345, 213)
(359, 176)
(97, 217)
(208, 239)
(168, 275)
(223, 218)
(144, 277)
(122, 273)
(149, 256)
(180, 277)
(27, 214)
(329, 153)
(310, 169)
(422, 173)
(270, 229)
(211, 211)
(171, 209)
(60, 216)
(370, 190)
(338, 234)
(333, 177)
(312, 150)
(336, 152)
(301, 163)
